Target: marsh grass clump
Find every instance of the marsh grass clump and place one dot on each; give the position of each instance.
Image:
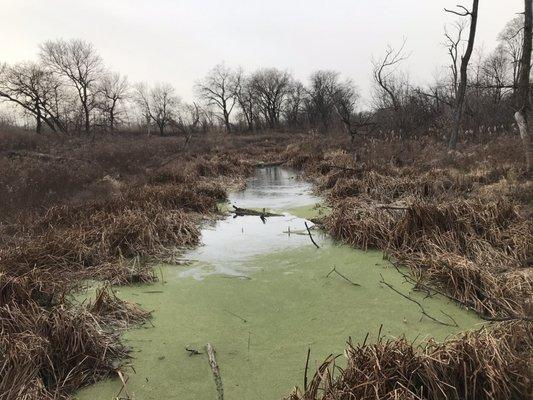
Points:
(48, 353)
(77, 239)
(491, 363)
(114, 311)
(466, 248)
(125, 272)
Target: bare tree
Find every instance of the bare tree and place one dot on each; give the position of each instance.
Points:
(453, 45)
(294, 104)
(33, 88)
(189, 121)
(319, 102)
(392, 88)
(270, 86)
(463, 79)
(345, 96)
(511, 39)
(113, 89)
(495, 73)
(77, 61)
(524, 89)
(158, 104)
(219, 89)
(246, 99)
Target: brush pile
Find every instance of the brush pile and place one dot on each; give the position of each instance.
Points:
(462, 226)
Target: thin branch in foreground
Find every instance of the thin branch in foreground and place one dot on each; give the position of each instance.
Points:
(306, 368)
(334, 270)
(236, 316)
(124, 379)
(311, 236)
(422, 310)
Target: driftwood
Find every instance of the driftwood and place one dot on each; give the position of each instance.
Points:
(311, 236)
(216, 371)
(240, 212)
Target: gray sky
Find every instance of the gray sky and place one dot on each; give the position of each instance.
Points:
(179, 41)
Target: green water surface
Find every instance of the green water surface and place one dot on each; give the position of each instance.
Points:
(258, 291)
(262, 327)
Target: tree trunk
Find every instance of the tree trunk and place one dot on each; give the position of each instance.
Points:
(226, 122)
(521, 116)
(461, 91)
(39, 118)
(112, 119)
(86, 112)
(39, 126)
(112, 115)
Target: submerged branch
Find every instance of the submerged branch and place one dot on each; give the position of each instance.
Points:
(334, 270)
(422, 310)
(236, 316)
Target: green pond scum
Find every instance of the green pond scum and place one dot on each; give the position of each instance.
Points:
(262, 297)
(261, 327)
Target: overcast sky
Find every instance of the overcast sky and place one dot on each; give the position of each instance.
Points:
(178, 41)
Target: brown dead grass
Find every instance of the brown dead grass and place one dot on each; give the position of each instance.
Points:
(462, 224)
(488, 364)
(47, 353)
(104, 211)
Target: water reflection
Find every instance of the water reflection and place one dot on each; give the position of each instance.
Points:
(274, 188)
(227, 245)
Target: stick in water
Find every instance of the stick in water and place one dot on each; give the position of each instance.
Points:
(216, 372)
(311, 236)
(334, 269)
(422, 310)
(306, 368)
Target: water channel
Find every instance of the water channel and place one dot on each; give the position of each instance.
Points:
(260, 294)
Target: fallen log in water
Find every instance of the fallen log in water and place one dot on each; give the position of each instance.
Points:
(216, 371)
(239, 212)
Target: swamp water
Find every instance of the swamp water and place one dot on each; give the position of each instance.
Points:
(262, 297)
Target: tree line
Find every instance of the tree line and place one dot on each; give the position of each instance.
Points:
(69, 89)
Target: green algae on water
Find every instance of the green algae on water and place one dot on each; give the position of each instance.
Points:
(262, 297)
(311, 211)
(261, 327)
